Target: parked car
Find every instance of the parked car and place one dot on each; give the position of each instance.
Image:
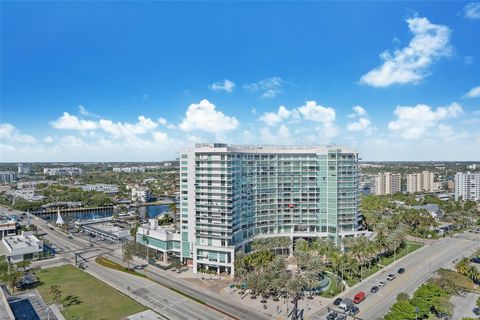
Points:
(332, 315)
(359, 297)
(337, 301)
(354, 310)
(346, 304)
(401, 270)
(475, 260)
(342, 317)
(390, 277)
(382, 284)
(374, 289)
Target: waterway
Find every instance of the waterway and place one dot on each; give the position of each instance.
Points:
(71, 216)
(153, 211)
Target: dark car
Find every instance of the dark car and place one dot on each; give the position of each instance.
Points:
(354, 310)
(332, 315)
(374, 289)
(337, 301)
(342, 317)
(401, 270)
(475, 260)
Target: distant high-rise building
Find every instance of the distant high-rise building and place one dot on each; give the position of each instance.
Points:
(24, 168)
(467, 186)
(420, 182)
(387, 183)
(7, 176)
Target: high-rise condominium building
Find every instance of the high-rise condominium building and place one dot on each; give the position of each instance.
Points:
(420, 182)
(467, 186)
(230, 195)
(387, 183)
(7, 176)
(24, 168)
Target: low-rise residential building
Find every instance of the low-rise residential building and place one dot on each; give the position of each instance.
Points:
(467, 186)
(63, 171)
(101, 187)
(432, 209)
(27, 194)
(7, 176)
(165, 240)
(141, 194)
(8, 226)
(21, 247)
(129, 169)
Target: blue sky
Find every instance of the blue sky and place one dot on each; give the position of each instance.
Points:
(132, 81)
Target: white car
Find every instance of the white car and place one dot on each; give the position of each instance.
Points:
(382, 284)
(391, 277)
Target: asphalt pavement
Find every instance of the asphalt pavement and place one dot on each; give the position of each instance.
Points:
(419, 265)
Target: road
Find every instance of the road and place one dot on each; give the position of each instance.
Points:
(153, 294)
(419, 266)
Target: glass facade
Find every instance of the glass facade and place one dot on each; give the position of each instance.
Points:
(232, 194)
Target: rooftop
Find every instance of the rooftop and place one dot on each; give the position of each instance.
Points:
(271, 148)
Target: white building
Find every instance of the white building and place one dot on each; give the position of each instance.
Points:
(101, 187)
(63, 171)
(164, 239)
(231, 195)
(7, 176)
(129, 169)
(387, 183)
(8, 226)
(21, 247)
(420, 182)
(24, 168)
(140, 194)
(467, 186)
(27, 194)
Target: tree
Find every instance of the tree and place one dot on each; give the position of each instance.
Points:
(402, 310)
(24, 264)
(127, 255)
(56, 293)
(13, 279)
(463, 266)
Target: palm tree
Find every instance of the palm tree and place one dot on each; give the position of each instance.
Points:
(311, 282)
(463, 266)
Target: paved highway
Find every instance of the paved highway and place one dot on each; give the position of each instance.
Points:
(149, 293)
(419, 265)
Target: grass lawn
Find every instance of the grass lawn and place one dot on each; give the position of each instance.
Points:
(333, 290)
(96, 299)
(459, 280)
(407, 249)
(113, 265)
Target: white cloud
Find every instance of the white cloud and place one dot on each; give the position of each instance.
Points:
(269, 87)
(315, 112)
(160, 137)
(413, 122)
(71, 122)
(84, 112)
(430, 42)
(273, 118)
(468, 60)
(474, 92)
(225, 85)
(472, 11)
(204, 116)
(362, 122)
(282, 136)
(125, 129)
(10, 134)
(162, 121)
